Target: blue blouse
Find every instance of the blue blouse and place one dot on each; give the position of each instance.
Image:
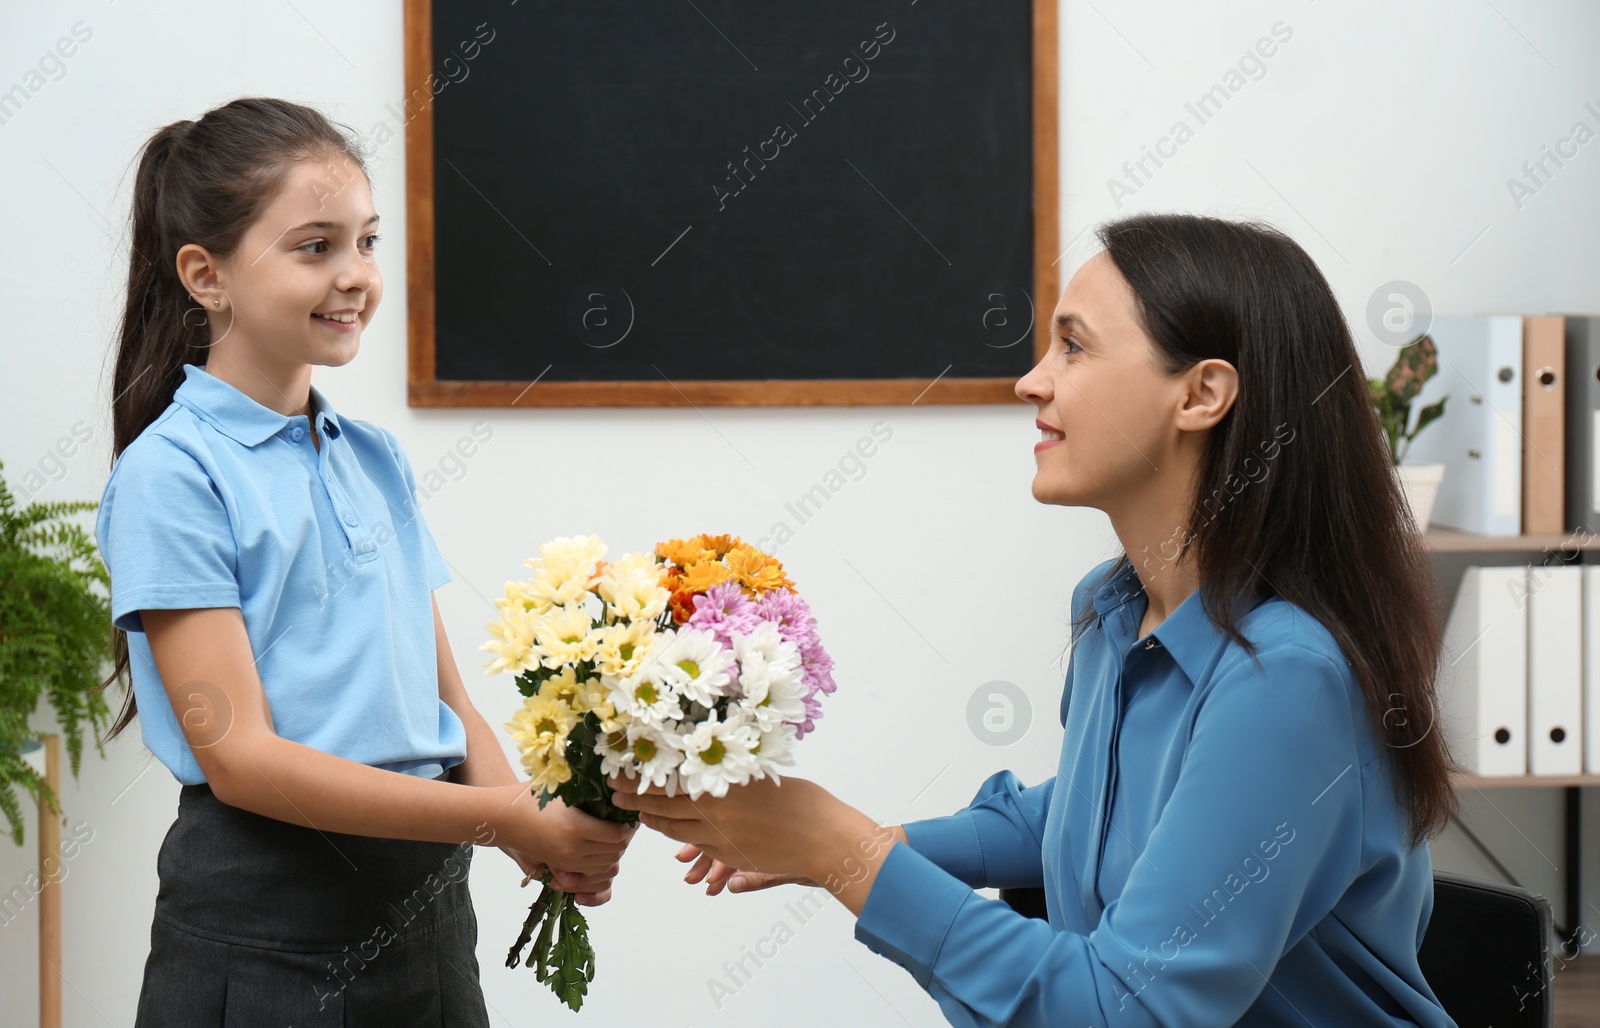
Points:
(1221, 844)
(222, 502)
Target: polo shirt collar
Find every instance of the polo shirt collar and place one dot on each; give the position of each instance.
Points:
(239, 417)
(1188, 633)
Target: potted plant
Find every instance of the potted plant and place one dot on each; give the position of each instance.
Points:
(55, 639)
(1392, 397)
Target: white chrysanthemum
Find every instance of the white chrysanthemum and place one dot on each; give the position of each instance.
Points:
(558, 583)
(645, 699)
(587, 550)
(651, 753)
(624, 647)
(564, 635)
(774, 692)
(696, 664)
(774, 747)
(771, 675)
(632, 589)
(512, 641)
(765, 642)
(717, 754)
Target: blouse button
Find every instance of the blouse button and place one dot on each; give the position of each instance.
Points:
(298, 433)
(350, 519)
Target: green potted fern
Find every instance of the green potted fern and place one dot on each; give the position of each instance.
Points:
(1392, 398)
(55, 640)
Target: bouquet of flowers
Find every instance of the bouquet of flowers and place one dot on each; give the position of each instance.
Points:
(693, 668)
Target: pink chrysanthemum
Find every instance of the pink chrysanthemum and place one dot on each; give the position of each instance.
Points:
(791, 613)
(723, 610)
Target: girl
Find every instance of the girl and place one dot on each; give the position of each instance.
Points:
(270, 591)
(1249, 776)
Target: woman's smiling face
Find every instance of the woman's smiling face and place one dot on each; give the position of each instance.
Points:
(1105, 406)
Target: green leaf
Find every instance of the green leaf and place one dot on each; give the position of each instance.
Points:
(1429, 414)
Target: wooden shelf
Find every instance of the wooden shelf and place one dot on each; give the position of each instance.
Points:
(1523, 781)
(1449, 540)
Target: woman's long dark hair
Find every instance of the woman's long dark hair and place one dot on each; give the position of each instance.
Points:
(201, 182)
(1325, 526)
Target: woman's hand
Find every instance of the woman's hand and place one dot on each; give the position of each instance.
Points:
(719, 876)
(796, 829)
(581, 852)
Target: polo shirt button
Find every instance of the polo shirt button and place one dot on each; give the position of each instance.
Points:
(298, 433)
(350, 519)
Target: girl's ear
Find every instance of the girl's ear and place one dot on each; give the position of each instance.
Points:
(1210, 388)
(197, 269)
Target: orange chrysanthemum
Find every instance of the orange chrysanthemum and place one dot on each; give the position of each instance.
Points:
(757, 571)
(683, 552)
(719, 544)
(698, 577)
(682, 605)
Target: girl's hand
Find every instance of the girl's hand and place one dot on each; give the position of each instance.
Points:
(557, 836)
(719, 876)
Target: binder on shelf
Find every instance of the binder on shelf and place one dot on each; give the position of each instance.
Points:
(1544, 410)
(1555, 670)
(1483, 680)
(1591, 669)
(1479, 438)
(1583, 422)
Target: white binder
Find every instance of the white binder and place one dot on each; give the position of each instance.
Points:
(1591, 669)
(1555, 670)
(1483, 683)
(1479, 438)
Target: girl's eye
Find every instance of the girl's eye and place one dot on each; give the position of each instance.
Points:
(368, 243)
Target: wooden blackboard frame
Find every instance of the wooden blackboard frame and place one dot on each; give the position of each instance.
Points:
(425, 389)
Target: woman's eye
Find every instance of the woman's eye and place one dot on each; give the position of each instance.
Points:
(319, 242)
(1069, 346)
(371, 241)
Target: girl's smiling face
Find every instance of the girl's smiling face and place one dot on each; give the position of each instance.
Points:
(1106, 407)
(306, 262)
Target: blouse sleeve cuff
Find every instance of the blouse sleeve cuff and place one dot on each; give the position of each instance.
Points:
(952, 843)
(909, 911)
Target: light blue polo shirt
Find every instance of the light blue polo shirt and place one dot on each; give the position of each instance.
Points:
(222, 502)
(1221, 844)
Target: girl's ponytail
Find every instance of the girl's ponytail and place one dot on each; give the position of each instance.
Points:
(204, 182)
(154, 343)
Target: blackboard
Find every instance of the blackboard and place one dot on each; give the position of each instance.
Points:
(619, 202)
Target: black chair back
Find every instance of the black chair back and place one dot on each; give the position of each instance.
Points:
(1487, 953)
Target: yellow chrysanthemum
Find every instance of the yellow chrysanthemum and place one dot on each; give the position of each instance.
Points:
(512, 641)
(559, 583)
(565, 687)
(587, 550)
(547, 773)
(564, 635)
(624, 647)
(540, 726)
(757, 571)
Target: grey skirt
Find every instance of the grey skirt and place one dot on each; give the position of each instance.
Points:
(263, 922)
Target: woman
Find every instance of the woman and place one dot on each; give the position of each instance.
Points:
(1249, 776)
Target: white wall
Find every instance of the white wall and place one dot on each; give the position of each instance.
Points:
(1381, 138)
